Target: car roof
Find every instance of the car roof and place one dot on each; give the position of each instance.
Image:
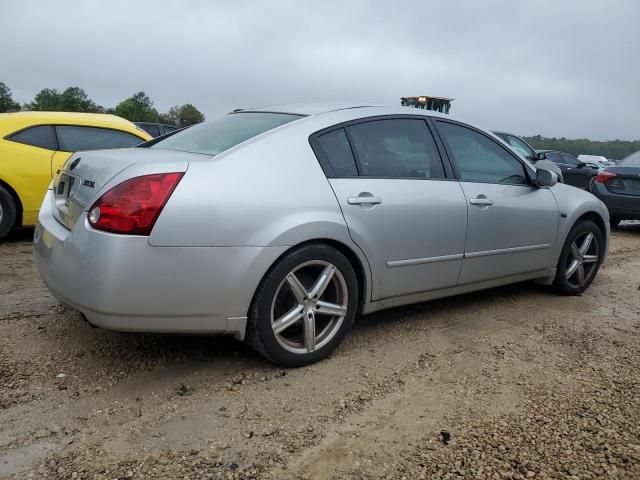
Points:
(310, 108)
(11, 122)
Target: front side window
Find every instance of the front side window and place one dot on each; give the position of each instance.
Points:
(74, 138)
(521, 147)
(480, 159)
(554, 157)
(216, 136)
(336, 155)
(41, 136)
(402, 148)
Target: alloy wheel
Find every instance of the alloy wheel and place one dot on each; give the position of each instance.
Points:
(309, 306)
(582, 261)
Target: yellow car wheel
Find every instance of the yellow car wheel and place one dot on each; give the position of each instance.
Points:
(8, 212)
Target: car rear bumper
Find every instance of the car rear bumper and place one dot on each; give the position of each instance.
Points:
(120, 282)
(625, 207)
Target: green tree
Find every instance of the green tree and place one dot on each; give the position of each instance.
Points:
(182, 115)
(73, 99)
(138, 108)
(47, 99)
(7, 104)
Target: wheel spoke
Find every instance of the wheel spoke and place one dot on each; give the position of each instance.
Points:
(323, 281)
(310, 331)
(288, 319)
(580, 274)
(590, 259)
(297, 288)
(584, 248)
(572, 268)
(328, 308)
(575, 251)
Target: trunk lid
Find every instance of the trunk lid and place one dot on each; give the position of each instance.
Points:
(627, 181)
(77, 184)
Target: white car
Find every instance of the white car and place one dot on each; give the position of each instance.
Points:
(598, 160)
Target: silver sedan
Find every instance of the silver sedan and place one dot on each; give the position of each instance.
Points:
(280, 225)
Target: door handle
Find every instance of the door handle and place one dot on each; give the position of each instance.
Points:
(481, 201)
(364, 199)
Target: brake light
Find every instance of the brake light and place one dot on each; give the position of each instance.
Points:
(604, 176)
(133, 206)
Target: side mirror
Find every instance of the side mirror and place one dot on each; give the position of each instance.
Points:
(546, 178)
(581, 165)
(541, 156)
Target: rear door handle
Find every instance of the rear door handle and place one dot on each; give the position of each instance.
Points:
(364, 200)
(481, 201)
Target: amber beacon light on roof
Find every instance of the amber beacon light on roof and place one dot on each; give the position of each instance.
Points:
(437, 104)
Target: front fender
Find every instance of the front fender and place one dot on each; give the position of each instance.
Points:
(574, 204)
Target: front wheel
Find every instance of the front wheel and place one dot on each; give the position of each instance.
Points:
(304, 306)
(580, 259)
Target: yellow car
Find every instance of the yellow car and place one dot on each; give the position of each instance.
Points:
(34, 145)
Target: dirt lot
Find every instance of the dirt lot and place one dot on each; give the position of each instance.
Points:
(527, 384)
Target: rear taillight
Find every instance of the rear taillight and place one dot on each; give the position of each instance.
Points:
(604, 176)
(133, 206)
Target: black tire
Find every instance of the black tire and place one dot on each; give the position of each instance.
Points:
(614, 221)
(274, 288)
(572, 285)
(8, 212)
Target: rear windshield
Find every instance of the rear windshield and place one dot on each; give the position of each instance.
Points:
(216, 136)
(632, 160)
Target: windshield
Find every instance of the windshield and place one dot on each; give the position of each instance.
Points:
(216, 136)
(632, 160)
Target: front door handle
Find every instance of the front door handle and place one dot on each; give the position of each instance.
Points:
(481, 201)
(364, 198)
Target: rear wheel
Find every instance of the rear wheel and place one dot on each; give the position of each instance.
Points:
(304, 306)
(580, 259)
(8, 212)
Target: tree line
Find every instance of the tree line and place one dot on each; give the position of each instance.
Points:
(137, 108)
(611, 149)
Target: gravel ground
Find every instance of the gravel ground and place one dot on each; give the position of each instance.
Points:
(509, 383)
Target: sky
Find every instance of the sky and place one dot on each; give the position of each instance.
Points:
(564, 68)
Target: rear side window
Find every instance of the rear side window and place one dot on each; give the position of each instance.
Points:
(569, 159)
(396, 148)
(41, 136)
(216, 136)
(169, 129)
(336, 155)
(480, 159)
(74, 138)
(152, 130)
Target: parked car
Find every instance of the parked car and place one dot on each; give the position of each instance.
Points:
(156, 129)
(598, 160)
(523, 148)
(34, 145)
(575, 172)
(279, 228)
(619, 189)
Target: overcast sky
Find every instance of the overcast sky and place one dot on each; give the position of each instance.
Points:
(558, 68)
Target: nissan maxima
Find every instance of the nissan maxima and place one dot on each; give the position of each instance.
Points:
(279, 225)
